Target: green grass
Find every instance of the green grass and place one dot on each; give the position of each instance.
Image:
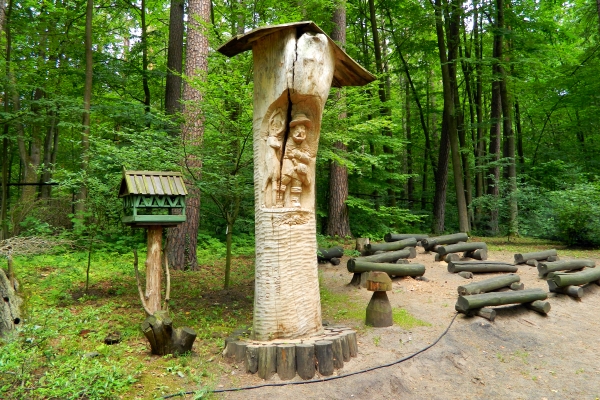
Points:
(405, 320)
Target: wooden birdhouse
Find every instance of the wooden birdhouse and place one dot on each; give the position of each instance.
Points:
(149, 196)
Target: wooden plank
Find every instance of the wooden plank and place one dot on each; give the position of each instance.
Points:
(157, 185)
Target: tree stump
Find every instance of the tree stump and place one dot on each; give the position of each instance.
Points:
(251, 362)
(163, 339)
(286, 361)
(361, 245)
(324, 355)
(338, 352)
(305, 360)
(267, 361)
(9, 305)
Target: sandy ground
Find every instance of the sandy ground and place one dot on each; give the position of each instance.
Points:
(521, 355)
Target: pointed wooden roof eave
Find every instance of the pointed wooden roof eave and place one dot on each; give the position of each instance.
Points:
(347, 71)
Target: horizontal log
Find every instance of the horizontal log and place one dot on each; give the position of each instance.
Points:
(481, 266)
(447, 257)
(470, 302)
(392, 269)
(553, 258)
(428, 243)
(532, 263)
(542, 307)
(391, 246)
(324, 254)
(487, 285)
(573, 291)
(479, 254)
(545, 267)
(576, 278)
(540, 255)
(487, 313)
(466, 274)
(460, 247)
(391, 256)
(395, 237)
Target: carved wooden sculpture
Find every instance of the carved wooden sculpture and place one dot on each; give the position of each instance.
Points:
(294, 67)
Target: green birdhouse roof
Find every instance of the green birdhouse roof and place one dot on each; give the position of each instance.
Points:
(152, 183)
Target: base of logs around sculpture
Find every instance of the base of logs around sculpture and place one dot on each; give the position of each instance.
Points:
(287, 357)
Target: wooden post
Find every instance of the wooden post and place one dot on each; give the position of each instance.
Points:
(305, 360)
(154, 269)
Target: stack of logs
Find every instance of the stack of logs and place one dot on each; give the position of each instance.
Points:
(447, 247)
(570, 277)
(476, 297)
(286, 358)
(533, 259)
(332, 255)
(390, 257)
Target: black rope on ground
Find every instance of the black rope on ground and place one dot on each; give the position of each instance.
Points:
(324, 379)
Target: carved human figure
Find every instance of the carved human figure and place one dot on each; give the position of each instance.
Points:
(273, 155)
(295, 162)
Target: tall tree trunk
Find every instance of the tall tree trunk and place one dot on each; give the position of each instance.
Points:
(520, 135)
(183, 238)
(410, 184)
(509, 137)
(479, 144)
(145, 57)
(49, 150)
(338, 222)
(451, 103)
(87, 102)
(494, 148)
(174, 59)
(5, 26)
(384, 109)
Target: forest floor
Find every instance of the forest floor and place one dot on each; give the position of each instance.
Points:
(521, 355)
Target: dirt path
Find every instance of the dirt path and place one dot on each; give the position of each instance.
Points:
(522, 355)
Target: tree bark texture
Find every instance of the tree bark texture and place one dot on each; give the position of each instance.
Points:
(338, 222)
(174, 58)
(183, 238)
(87, 104)
(154, 269)
(10, 304)
(305, 360)
(324, 356)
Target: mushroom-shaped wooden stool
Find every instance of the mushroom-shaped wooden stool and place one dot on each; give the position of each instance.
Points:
(379, 310)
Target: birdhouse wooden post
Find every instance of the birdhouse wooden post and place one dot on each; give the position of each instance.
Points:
(148, 200)
(295, 65)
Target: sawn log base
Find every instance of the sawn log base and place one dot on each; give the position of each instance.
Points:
(321, 353)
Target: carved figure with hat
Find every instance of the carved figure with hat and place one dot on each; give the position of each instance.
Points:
(295, 161)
